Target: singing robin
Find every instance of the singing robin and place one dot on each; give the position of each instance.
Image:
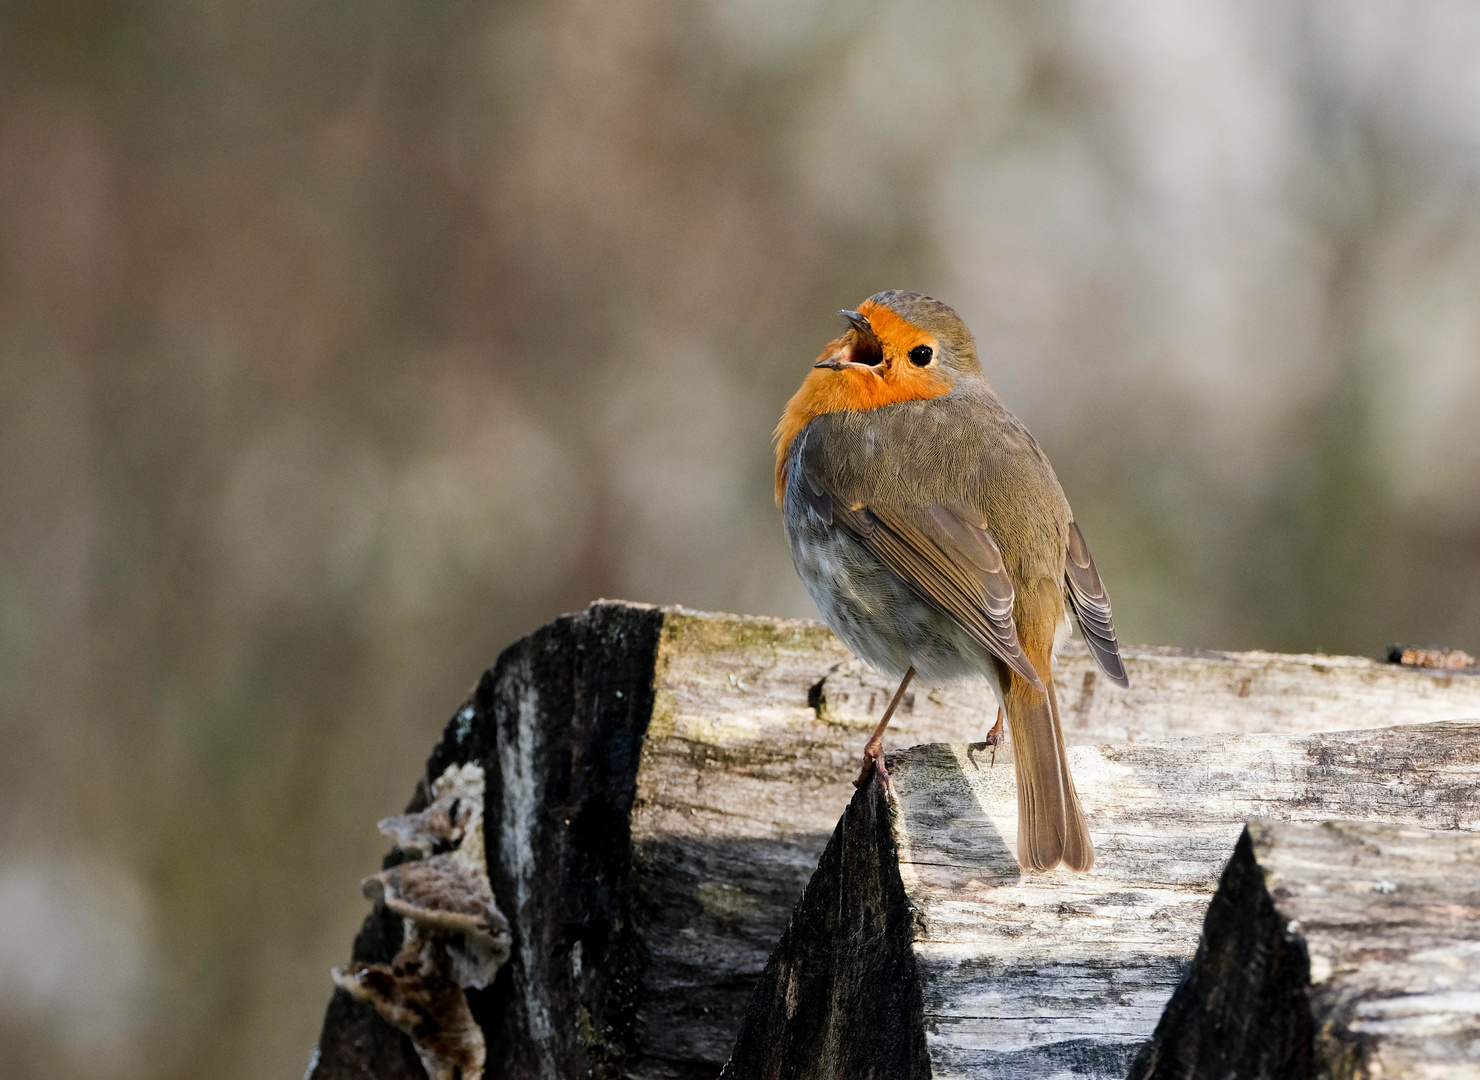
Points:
(931, 531)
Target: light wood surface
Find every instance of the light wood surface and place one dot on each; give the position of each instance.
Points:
(1063, 974)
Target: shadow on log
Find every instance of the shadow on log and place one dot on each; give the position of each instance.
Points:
(1345, 949)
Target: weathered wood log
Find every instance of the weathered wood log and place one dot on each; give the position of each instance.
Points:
(660, 785)
(1177, 692)
(1345, 949)
(994, 972)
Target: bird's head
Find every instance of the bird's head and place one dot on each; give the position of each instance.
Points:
(913, 345)
(899, 346)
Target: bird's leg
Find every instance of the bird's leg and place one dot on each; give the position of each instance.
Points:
(873, 750)
(994, 737)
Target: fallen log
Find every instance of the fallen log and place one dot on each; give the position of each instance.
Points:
(661, 783)
(921, 949)
(1346, 949)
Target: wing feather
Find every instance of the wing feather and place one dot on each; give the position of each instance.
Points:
(1091, 606)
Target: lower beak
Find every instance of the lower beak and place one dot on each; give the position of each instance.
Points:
(835, 364)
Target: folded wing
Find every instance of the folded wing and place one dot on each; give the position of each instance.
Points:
(1091, 606)
(952, 563)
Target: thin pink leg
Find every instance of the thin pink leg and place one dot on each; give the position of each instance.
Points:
(873, 750)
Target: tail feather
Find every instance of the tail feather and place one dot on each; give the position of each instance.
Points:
(1051, 825)
(1079, 850)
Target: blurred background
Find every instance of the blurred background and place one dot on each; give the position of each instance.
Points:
(341, 344)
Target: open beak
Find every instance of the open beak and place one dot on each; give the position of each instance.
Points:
(860, 342)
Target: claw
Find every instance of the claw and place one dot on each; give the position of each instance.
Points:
(873, 765)
(995, 737)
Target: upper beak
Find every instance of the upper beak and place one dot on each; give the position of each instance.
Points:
(865, 338)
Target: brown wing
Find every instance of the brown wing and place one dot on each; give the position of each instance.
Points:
(950, 562)
(1091, 606)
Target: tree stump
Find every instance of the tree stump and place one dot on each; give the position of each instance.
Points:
(661, 783)
(921, 949)
(1344, 949)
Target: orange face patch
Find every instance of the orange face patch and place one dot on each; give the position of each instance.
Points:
(894, 378)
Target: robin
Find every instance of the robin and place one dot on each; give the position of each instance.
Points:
(931, 531)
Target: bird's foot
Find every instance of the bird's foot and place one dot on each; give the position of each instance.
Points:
(873, 765)
(995, 737)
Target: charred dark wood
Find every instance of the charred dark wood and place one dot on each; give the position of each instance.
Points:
(840, 995)
(356, 1041)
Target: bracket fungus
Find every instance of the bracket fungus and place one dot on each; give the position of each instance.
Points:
(455, 938)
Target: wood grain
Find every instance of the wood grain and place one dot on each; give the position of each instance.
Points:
(1062, 974)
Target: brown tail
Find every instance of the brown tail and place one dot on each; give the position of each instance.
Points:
(1051, 824)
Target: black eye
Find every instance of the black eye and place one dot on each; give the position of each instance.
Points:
(920, 355)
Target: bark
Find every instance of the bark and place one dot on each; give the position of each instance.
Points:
(1345, 949)
(661, 785)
